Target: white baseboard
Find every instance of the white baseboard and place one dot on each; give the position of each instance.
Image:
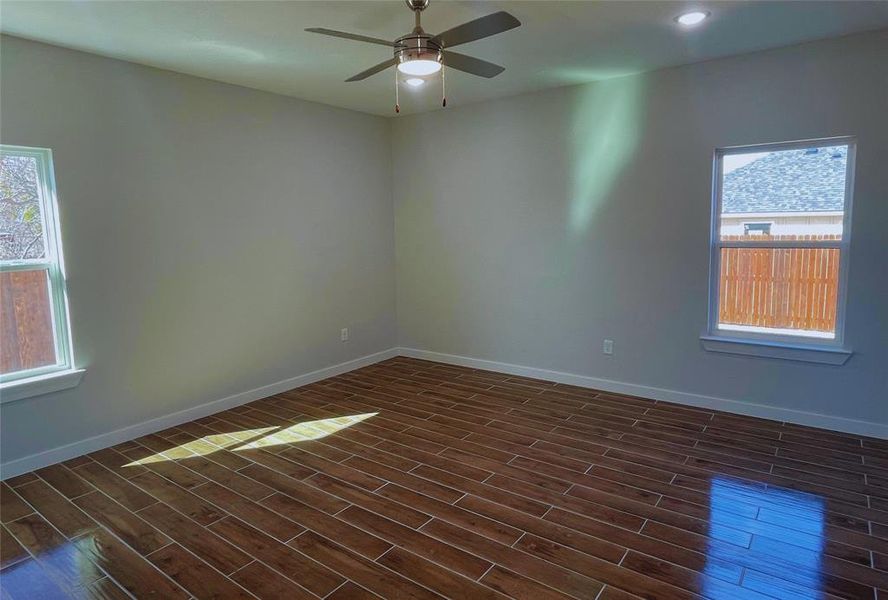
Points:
(68, 451)
(732, 406)
(55, 455)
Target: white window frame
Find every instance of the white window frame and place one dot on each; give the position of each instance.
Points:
(793, 347)
(62, 374)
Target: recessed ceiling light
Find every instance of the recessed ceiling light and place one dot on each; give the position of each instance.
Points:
(689, 19)
(414, 82)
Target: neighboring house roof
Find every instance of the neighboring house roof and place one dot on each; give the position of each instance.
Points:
(811, 180)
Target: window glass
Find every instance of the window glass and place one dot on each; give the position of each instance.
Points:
(801, 192)
(22, 232)
(26, 317)
(779, 290)
(34, 336)
(779, 243)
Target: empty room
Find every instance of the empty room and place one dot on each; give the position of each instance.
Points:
(463, 299)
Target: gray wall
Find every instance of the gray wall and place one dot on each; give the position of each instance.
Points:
(529, 229)
(216, 238)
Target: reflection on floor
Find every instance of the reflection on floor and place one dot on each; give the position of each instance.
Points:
(782, 525)
(412, 479)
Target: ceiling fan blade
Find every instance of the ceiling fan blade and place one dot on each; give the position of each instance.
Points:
(373, 70)
(351, 36)
(472, 65)
(477, 29)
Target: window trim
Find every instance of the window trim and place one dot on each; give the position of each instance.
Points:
(53, 263)
(764, 344)
(37, 385)
(797, 351)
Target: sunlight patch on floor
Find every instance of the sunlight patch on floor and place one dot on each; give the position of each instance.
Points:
(310, 430)
(253, 439)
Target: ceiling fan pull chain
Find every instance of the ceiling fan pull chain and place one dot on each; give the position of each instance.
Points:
(397, 100)
(443, 89)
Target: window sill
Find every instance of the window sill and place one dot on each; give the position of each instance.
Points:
(827, 355)
(20, 389)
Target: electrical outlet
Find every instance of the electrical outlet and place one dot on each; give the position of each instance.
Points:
(343, 335)
(608, 347)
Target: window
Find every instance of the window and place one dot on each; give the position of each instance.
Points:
(780, 233)
(34, 336)
(757, 228)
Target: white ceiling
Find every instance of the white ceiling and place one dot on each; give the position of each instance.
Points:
(262, 45)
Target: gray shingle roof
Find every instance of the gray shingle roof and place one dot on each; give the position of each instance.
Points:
(788, 181)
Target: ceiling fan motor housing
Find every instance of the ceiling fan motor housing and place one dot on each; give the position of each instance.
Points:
(417, 4)
(418, 45)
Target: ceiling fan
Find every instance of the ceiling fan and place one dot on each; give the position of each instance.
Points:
(419, 54)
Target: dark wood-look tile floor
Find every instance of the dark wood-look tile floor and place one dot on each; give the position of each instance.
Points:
(412, 479)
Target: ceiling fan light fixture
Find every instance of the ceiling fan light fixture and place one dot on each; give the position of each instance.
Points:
(419, 67)
(689, 19)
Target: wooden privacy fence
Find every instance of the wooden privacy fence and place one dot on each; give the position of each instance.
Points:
(791, 288)
(26, 339)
